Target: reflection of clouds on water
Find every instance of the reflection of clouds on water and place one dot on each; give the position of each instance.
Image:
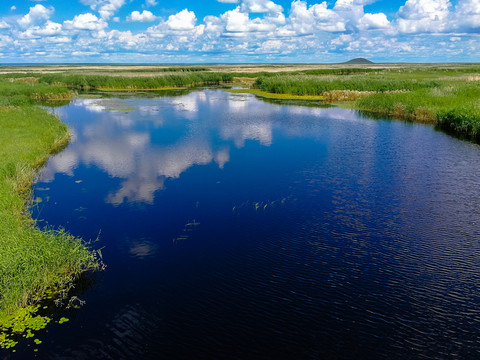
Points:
(222, 157)
(154, 167)
(63, 163)
(146, 147)
(245, 131)
(92, 105)
(142, 249)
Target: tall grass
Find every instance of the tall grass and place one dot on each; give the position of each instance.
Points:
(81, 81)
(14, 92)
(453, 106)
(448, 98)
(317, 85)
(31, 260)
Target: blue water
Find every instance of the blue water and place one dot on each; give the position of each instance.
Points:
(233, 228)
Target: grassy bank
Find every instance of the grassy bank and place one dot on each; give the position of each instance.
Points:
(123, 82)
(27, 91)
(447, 98)
(32, 261)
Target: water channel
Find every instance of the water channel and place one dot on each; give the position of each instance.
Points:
(233, 228)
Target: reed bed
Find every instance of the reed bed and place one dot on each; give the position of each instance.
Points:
(167, 80)
(447, 98)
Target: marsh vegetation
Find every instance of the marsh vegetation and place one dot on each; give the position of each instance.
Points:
(32, 260)
(446, 97)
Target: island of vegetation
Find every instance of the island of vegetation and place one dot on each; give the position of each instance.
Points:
(35, 261)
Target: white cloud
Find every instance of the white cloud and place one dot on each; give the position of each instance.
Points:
(316, 17)
(184, 20)
(37, 14)
(50, 29)
(373, 21)
(468, 15)
(342, 39)
(13, 8)
(151, 3)
(310, 31)
(126, 39)
(235, 21)
(106, 8)
(84, 53)
(260, 6)
(85, 22)
(145, 16)
(418, 16)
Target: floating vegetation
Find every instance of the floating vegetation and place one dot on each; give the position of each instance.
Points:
(28, 321)
(261, 206)
(276, 96)
(24, 322)
(122, 110)
(188, 228)
(63, 320)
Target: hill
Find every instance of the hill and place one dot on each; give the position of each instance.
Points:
(359, 61)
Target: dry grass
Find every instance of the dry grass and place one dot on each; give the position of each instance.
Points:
(334, 96)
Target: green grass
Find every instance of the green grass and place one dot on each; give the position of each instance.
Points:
(18, 93)
(88, 81)
(317, 85)
(269, 95)
(452, 106)
(31, 260)
(446, 97)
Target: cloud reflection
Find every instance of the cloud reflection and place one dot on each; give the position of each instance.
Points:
(164, 137)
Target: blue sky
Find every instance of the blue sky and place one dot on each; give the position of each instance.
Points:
(238, 31)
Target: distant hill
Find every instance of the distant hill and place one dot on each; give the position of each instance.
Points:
(359, 61)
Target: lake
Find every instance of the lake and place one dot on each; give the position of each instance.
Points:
(234, 228)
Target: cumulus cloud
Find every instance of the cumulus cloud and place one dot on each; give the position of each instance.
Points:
(467, 15)
(418, 16)
(323, 30)
(145, 16)
(307, 20)
(184, 20)
(373, 21)
(260, 6)
(86, 21)
(50, 29)
(106, 8)
(37, 14)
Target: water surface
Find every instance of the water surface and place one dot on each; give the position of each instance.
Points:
(238, 229)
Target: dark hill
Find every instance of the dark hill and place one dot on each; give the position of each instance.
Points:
(359, 61)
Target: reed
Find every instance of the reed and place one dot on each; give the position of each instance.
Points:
(167, 80)
(448, 98)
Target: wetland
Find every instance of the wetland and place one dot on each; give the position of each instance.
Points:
(246, 223)
(238, 228)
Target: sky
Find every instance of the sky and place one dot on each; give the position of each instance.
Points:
(238, 31)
